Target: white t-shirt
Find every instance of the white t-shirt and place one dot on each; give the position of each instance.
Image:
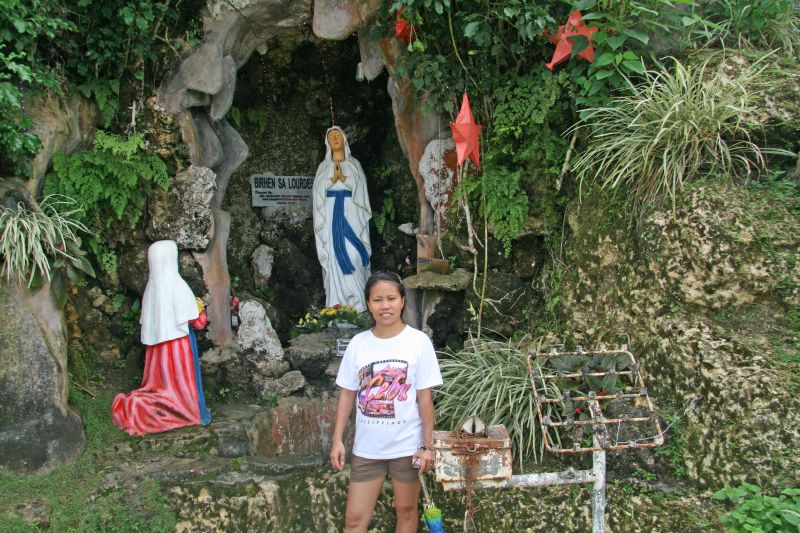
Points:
(386, 373)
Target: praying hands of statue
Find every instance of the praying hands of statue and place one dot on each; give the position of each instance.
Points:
(337, 174)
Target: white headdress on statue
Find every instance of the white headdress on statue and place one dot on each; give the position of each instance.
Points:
(168, 303)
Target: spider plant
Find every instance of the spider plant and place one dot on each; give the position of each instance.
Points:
(490, 379)
(36, 238)
(676, 126)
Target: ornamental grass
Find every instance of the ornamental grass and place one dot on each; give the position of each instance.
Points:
(490, 379)
(676, 126)
(32, 237)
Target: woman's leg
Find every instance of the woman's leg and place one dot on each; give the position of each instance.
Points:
(406, 498)
(361, 499)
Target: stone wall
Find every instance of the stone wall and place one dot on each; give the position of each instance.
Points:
(704, 299)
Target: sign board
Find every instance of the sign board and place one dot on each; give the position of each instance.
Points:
(278, 192)
(341, 346)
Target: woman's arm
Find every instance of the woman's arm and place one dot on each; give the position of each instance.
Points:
(343, 408)
(426, 412)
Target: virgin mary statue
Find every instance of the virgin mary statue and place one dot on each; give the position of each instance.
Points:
(341, 223)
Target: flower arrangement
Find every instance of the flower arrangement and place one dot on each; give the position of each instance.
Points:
(345, 316)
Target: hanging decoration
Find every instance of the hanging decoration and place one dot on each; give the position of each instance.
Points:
(572, 28)
(466, 134)
(402, 29)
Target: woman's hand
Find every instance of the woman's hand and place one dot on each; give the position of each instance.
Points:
(425, 458)
(337, 455)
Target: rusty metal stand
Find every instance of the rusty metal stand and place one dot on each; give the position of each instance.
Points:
(568, 388)
(596, 476)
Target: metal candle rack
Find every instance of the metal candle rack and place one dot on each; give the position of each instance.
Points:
(608, 385)
(618, 416)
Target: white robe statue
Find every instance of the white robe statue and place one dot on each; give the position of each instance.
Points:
(341, 223)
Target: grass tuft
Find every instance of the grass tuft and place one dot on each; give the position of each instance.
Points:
(676, 126)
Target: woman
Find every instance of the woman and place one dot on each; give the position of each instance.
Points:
(387, 373)
(341, 223)
(171, 395)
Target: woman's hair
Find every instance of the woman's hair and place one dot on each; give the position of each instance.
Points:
(383, 275)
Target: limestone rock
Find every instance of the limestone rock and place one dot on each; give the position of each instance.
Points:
(371, 56)
(235, 151)
(223, 99)
(437, 169)
(259, 343)
(293, 223)
(312, 353)
(183, 214)
(288, 383)
(336, 20)
(214, 263)
(245, 239)
(63, 124)
(700, 296)
(38, 432)
(262, 260)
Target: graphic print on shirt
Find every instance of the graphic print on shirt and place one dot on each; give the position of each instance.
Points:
(380, 384)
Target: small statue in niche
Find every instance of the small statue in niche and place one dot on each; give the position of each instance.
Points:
(171, 395)
(341, 223)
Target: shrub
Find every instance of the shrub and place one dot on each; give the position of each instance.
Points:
(755, 511)
(675, 127)
(491, 379)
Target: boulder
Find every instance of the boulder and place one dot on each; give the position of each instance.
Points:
(38, 431)
(261, 349)
(183, 214)
(312, 353)
(285, 385)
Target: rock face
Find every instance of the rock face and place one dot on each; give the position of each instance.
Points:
(38, 432)
(508, 295)
(183, 214)
(199, 93)
(704, 299)
(62, 125)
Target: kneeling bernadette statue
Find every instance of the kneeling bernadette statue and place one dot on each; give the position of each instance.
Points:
(171, 395)
(341, 223)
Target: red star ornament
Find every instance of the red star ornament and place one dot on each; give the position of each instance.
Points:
(466, 134)
(573, 27)
(402, 29)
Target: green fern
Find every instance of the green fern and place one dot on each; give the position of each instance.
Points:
(111, 183)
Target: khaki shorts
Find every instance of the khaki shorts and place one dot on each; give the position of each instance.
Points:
(399, 469)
